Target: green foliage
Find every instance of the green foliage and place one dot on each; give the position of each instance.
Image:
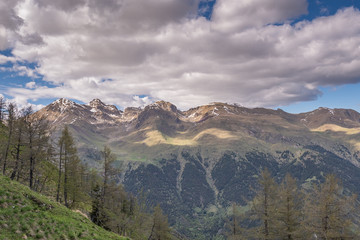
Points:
(24, 212)
(160, 228)
(98, 213)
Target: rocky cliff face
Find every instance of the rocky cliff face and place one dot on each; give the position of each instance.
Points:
(196, 162)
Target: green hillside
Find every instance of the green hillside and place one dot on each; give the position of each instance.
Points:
(25, 214)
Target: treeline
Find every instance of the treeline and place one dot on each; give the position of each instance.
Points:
(285, 211)
(52, 167)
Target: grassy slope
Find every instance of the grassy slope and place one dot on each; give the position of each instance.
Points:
(26, 213)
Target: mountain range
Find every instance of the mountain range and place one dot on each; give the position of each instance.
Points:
(195, 163)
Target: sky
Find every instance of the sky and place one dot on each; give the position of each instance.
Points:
(296, 55)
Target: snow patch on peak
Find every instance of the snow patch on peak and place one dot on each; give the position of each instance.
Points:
(64, 101)
(63, 104)
(214, 111)
(331, 111)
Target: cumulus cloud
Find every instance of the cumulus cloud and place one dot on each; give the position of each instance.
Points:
(234, 16)
(30, 85)
(119, 50)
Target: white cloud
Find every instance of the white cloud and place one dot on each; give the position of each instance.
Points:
(234, 16)
(159, 49)
(30, 85)
(6, 59)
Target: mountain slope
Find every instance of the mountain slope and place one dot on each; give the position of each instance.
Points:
(25, 214)
(197, 162)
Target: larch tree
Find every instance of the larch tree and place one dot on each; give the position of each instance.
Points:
(289, 210)
(11, 119)
(264, 207)
(328, 211)
(2, 108)
(160, 229)
(36, 132)
(68, 166)
(109, 171)
(234, 229)
(19, 145)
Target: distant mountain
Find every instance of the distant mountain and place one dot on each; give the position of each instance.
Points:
(196, 162)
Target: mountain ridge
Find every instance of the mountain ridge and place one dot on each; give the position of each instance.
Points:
(104, 111)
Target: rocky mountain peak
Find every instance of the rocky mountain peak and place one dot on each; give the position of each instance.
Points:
(167, 106)
(97, 105)
(96, 102)
(63, 101)
(61, 105)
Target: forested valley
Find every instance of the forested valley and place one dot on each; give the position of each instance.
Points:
(277, 208)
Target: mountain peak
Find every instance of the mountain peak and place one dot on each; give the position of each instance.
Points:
(62, 104)
(96, 102)
(163, 105)
(63, 101)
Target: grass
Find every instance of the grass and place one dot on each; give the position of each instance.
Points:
(336, 128)
(25, 214)
(155, 137)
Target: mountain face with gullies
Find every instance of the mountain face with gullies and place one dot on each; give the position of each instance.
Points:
(195, 163)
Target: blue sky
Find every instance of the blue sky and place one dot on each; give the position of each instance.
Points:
(296, 55)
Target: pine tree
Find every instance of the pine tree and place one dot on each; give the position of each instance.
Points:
(328, 211)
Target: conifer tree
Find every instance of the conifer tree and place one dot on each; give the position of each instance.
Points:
(160, 229)
(11, 118)
(289, 210)
(234, 229)
(264, 207)
(18, 145)
(2, 108)
(109, 171)
(36, 130)
(69, 162)
(328, 211)
(98, 214)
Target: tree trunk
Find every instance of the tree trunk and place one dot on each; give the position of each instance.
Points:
(59, 179)
(32, 163)
(65, 180)
(266, 223)
(289, 236)
(7, 148)
(17, 160)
